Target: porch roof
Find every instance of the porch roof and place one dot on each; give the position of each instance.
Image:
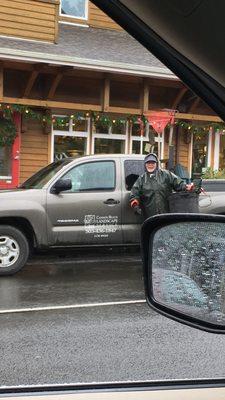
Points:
(88, 48)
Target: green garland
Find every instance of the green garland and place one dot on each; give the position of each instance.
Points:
(100, 119)
(200, 129)
(7, 111)
(60, 122)
(7, 132)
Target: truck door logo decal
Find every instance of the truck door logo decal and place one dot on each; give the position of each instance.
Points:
(101, 226)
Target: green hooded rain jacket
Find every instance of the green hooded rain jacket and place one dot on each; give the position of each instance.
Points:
(152, 191)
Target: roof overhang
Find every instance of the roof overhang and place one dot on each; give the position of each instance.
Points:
(88, 64)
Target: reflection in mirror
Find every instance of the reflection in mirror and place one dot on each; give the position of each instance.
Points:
(188, 269)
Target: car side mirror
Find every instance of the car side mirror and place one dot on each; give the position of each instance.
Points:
(184, 268)
(61, 185)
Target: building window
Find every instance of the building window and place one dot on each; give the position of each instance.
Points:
(111, 139)
(109, 146)
(150, 141)
(68, 146)
(136, 147)
(69, 137)
(200, 154)
(74, 8)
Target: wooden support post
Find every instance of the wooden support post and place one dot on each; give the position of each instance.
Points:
(106, 95)
(144, 96)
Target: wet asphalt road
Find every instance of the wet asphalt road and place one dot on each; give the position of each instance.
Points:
(83, 319)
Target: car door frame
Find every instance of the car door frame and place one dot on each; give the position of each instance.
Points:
(102, 240)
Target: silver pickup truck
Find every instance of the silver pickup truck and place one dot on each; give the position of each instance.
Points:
(72, 202)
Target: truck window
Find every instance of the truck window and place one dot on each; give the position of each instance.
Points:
(133, 169)
(98, 175)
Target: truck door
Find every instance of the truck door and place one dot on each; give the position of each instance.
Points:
(131, 170)
(90, 213)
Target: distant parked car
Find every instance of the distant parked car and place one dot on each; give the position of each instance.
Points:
(212, 200)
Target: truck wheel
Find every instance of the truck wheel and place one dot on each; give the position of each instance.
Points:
(14, 250)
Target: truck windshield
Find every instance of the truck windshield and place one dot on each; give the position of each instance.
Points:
(38, 180)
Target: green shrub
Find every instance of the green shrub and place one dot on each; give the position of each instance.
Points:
(213, 174)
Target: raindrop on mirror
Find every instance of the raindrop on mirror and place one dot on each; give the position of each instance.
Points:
(188, 265)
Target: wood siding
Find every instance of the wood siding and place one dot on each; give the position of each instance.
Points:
(29, 19)
(98, 19)
(34, 153)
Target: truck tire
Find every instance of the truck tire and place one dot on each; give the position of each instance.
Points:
(14, 250)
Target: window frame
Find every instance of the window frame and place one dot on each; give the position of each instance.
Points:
(73, 17)
(124, 176)
(111, 136)
(159, 139)
(70, 133)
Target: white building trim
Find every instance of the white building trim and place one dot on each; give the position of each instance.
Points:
(89, 64)
(216, 150)
(209, 154)
(85, 18)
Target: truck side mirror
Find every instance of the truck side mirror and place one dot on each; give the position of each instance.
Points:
(61, 185)
(184, 268)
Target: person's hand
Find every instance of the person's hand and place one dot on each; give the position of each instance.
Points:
(189, 187)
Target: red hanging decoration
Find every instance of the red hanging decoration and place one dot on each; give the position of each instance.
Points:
(159, 119)
(141, 123)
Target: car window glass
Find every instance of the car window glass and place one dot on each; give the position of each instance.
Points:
(92, 176)
(133, 169)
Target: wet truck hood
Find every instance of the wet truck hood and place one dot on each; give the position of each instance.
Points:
(21, 200)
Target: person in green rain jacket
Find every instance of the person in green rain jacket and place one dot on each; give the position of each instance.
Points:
(149, 194)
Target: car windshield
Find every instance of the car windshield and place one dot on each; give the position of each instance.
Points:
(38, 180)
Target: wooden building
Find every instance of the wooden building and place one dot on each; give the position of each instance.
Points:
(75, 83)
